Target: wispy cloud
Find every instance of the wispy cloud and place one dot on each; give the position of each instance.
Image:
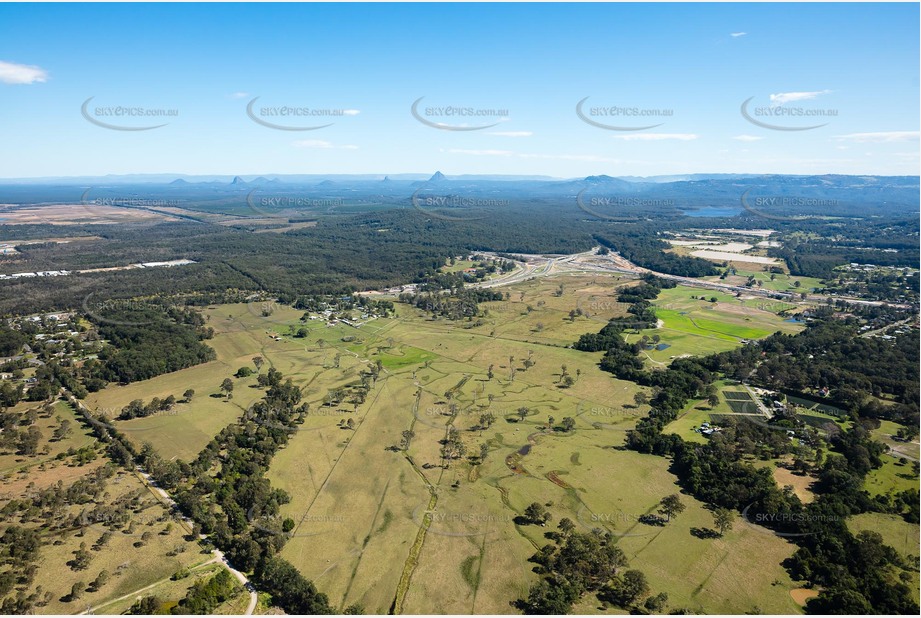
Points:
(511, 133)
(789, 97)
(12, 73)
(656, 137)
(351, 112)
(321, 144)
(480, 153)
(585, 158)
(238, 95)
(747, 138)
(880, 137)
(736, 35)
(572, 157)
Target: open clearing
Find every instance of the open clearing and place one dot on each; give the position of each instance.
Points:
(696, 326)
(73, 214)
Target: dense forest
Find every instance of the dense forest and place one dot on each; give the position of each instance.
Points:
(394, 245)
(814, 249)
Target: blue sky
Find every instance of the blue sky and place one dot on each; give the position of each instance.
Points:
(693, 65)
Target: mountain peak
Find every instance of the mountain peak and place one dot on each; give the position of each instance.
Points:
(600, 178)
(436, 177)
(237, 181)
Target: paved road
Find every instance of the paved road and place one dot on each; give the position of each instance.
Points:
(613, 262)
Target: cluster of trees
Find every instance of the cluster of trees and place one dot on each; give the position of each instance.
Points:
(815, 250)
(856, 370)
(622, 358)
(578, 563)
(141, 344)
(46, 512)
(205, 595)
(17, 433)
(322, 302)
(11, 340)
(145, 343)
(642, 315)
(456, 304)
(640, 245)
(897, 286)
(138, 409)
(19, 551)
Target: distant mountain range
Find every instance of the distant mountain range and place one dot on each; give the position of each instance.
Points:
(821, 194)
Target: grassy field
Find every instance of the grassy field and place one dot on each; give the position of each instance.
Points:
(897, 533)
(886, 434)
(693, 326)
(458, 266)
(396, 527)
(894, 476)
(46, 423)
(783, 282)
(169, 592)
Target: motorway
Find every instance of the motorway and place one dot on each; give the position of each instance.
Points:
(534, 266)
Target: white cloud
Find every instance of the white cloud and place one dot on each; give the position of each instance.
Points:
(350, 112)
(480, 153)
(882, 136)
(239, 95)
(789, 97)
(656, 137)
(529, 155)
(321, 144)
(12, 73)
(736, 35)
(511, 133)
(572, 157)
(747, 138)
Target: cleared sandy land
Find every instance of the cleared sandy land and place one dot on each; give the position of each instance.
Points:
(70, 214)
(733, 257)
